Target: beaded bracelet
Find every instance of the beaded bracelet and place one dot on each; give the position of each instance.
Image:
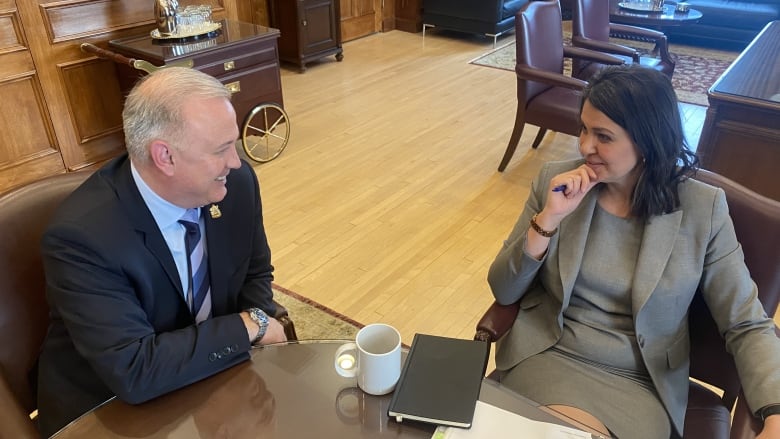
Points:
(538, 229)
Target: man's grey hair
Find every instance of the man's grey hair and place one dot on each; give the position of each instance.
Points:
(153, 109)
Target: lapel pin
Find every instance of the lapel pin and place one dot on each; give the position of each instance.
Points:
(214, 211)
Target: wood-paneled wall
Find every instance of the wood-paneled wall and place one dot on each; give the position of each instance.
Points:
(60, 109)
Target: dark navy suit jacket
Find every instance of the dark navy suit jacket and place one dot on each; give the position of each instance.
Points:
(119, 322)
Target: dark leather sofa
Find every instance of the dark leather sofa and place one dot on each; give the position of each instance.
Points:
(488, 17)
(726, 23)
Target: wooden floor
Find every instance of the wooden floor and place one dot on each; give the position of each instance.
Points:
(386, 205)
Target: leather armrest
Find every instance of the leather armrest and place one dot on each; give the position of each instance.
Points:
(555, 79)
(496, 321)
(590, 55)
(13, 419)
(744, 424)
(284, 318)
(607, 47)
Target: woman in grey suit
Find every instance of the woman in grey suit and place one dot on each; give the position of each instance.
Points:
(605, 260)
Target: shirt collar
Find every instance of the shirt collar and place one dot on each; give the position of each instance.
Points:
(165, 213)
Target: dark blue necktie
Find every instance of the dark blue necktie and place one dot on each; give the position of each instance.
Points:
(198, 291)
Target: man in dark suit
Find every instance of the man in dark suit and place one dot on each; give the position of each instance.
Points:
(158, 269)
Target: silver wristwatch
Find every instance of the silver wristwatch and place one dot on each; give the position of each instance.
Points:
(261, 319)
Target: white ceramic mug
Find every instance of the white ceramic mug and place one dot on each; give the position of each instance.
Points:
(374, 358)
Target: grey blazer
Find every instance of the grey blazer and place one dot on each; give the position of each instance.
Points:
(692, 248)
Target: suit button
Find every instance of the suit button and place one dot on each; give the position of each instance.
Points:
(226, 350)
(641, 340)
(213, 356)
(234, 348)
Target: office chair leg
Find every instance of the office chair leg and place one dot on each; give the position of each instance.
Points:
(539, 137)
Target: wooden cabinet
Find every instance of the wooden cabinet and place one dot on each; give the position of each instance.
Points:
(408, 15)
(310, 29)
(741, 134)
(243, 57)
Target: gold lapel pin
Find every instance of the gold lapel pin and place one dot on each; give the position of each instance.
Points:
(214, 211)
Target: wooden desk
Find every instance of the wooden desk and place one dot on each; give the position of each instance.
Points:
(287, 391)
(243, 56)
(741, 134)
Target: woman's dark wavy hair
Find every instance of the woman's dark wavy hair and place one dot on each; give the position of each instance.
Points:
(642, 101)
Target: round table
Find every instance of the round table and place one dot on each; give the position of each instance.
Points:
(287, 390)
(668, 17)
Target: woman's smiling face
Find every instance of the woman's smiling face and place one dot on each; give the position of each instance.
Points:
(607, 148)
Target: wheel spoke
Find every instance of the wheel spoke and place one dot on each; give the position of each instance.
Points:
(265, 132)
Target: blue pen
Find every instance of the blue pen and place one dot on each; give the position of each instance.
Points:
(559, 188)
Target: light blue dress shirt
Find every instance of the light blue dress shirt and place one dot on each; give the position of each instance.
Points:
(167, 216)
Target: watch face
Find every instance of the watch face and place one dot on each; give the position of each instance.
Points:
(260, 316)
(261, 320)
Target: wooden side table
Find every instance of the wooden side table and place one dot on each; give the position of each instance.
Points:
(311, 29)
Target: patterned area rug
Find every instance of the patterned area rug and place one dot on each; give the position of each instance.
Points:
(314, 321)
(696, 70)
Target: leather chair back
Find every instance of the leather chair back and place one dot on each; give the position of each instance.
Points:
(24, 315)
(591, 19)
(539, 18)
(755, 219)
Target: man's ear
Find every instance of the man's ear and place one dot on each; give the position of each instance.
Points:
(160, 153)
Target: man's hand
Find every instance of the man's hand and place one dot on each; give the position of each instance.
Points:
(274, 333)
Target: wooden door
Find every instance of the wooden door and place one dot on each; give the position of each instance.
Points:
(360, 18)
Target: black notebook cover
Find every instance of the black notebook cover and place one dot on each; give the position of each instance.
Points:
(440, 381)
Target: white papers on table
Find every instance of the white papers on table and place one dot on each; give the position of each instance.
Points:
(491, 422)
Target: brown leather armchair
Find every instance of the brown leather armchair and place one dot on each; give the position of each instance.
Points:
(24, 314)
(709, 415)
(545, 96)
(591, 29)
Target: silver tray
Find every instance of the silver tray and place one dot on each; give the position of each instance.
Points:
(640, 6)
(206, 29)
